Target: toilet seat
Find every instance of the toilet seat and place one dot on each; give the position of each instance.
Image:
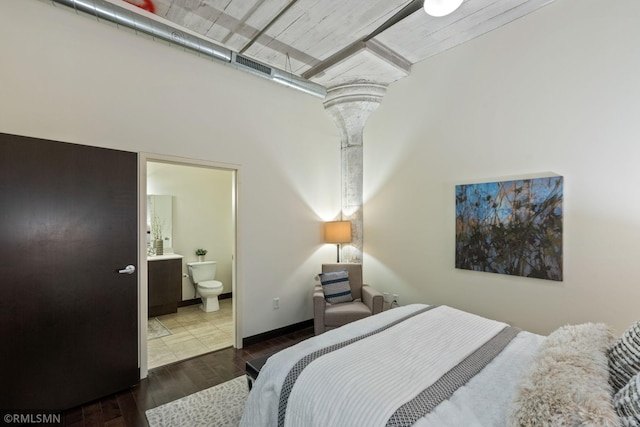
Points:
(210, 284)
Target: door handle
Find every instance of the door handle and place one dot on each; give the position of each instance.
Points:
(129, 269)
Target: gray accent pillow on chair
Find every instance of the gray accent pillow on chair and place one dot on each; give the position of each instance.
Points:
(335, 286)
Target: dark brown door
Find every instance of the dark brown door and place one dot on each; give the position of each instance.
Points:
(68, 318)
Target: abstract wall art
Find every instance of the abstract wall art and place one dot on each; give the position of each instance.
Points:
(511, 227)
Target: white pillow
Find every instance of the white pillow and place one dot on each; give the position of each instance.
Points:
(568, 382)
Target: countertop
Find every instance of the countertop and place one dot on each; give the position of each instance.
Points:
(163, 257)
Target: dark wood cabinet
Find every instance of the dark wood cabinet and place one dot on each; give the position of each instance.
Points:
(165, 286)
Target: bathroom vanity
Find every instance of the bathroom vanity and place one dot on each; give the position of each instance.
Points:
(164, 283)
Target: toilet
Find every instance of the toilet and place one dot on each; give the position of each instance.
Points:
(202, 275)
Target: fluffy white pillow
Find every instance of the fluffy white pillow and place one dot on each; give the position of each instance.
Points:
(568, 382)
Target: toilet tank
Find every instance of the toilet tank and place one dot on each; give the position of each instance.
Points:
(201, 271)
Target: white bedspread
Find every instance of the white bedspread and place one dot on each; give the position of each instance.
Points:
(387, 369)
(484, 400)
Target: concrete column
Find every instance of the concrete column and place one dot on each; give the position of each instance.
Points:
(350, 106)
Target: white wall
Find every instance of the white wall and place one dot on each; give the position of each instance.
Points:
(202, 215)
(556, 91)
(69, 78)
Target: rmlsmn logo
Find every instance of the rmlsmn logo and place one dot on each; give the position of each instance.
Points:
(32, 419)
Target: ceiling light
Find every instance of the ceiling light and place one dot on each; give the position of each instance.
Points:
(441, 7)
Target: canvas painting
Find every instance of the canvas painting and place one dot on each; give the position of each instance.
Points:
(511, 227)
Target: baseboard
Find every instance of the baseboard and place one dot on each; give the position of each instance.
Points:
(255, 339)
(189, 302)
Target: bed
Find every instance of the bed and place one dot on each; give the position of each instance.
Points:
(438, 366)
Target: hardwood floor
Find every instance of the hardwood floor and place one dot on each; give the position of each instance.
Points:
(174, 381)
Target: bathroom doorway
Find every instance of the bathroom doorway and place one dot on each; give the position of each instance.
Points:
(198, 213)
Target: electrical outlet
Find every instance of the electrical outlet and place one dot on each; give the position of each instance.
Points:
(395, 302)
(276, 303)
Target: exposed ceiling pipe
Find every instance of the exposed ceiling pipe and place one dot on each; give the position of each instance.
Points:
(102, 9)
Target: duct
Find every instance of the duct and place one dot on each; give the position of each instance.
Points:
(102, 9)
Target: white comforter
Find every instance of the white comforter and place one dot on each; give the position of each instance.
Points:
(363, 384)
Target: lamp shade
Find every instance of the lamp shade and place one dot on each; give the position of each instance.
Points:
(441, 7)
(337, 232)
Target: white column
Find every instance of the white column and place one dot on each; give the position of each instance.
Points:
(350, 106)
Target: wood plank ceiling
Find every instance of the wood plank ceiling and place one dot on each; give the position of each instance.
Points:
(331, 42)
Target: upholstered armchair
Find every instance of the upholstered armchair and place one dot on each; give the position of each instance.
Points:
(366, 301)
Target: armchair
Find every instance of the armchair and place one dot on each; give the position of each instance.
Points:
(366, 301)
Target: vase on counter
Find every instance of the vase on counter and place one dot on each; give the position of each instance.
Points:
(200, 258)
(158, 245)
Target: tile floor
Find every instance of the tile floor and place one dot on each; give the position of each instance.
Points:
(193, 332)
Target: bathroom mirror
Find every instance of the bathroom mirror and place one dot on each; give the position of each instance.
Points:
(159, 213)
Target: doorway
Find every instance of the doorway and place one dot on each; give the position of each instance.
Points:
(201, 215)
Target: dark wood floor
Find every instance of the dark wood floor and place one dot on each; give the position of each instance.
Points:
(174, 381)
